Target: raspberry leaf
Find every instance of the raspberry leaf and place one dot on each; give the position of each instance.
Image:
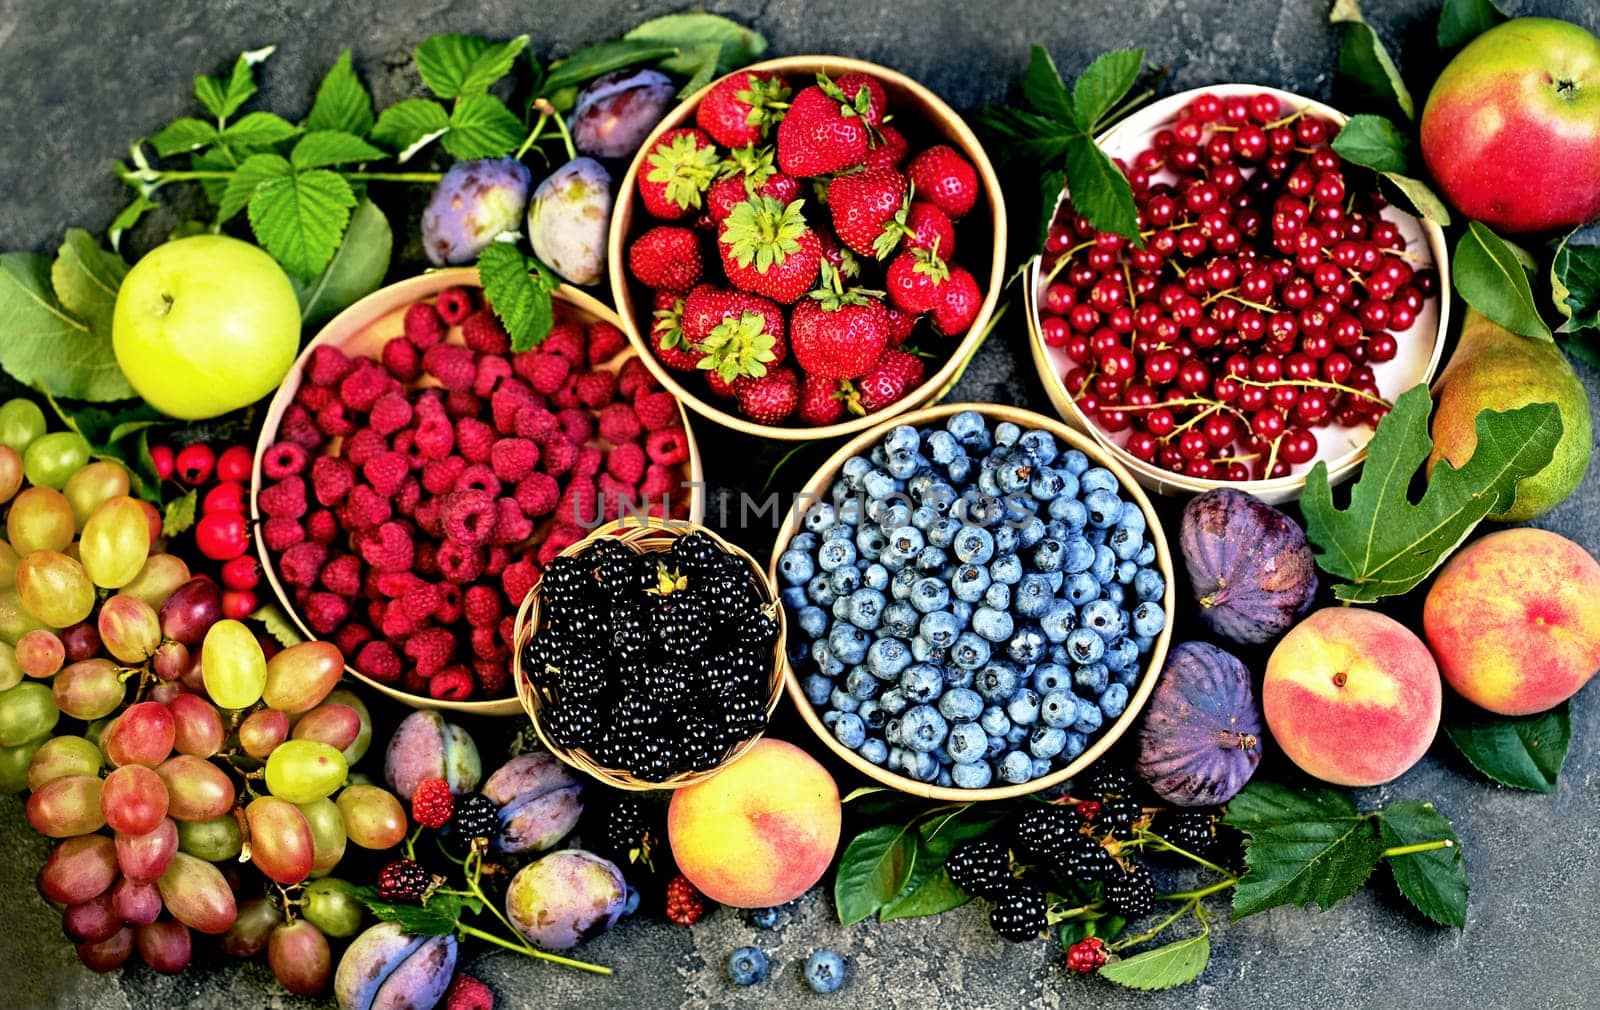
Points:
(255, 170)
(461, 66)
(1385, 545)
(258, 130)
(1318, 859)
(343, 102)
(299, 218)
(708, 45)
(1044, 89)
(1099, 190)
(355, 271)
(1365, 67)
(324, 148)
(928, 889)
(873, 870)
(518, 287)
(1270, 804)
(178, 516)
(482, 127)
(601, 58)
(45, 345)
(438, 916)
(223, 98)
(411, 125)
(1523, 752)
(1164, 967)
(1461, 21)
(185, 134)
(1490, 276)
(1435, 882)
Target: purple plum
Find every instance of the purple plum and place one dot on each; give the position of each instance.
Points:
(473, 203)
(614, 113)
(568, 219)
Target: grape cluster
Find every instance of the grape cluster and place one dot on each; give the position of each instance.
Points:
(156, 735)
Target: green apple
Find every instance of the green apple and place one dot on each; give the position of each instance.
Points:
(205, 325)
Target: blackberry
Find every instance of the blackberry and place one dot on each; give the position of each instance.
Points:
(1107, 782)
(1118, 815)
(403, 880)
(702, 743)
(757, 629)
(695, 552)
(629, 832)
(629, 626)
(738, 669)
(476, 816)
(656, 759)
(1131, 893)
(1019, 912)
(568, 580)
(572, 724)
(980, 866)
(1086, 860)
(681, 620)
(665, 686)
(744, 715)
(1042, 832)
(582, 676)
(1193, 831)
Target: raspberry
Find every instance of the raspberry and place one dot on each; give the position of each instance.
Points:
(379, 661)
(326, 612)
(397, 626)
(504, 404)
(314, 398)
(669, 447)
(560, 453)
(684, 902)
(492, 677)
(605, 342)
(596, 389)
(454, 305)
(403, 880)
(537, 496)
(510, 525)
(469, 517)
(1019, 913)
(513, 458)
(483, 333)
(482, 606)
(298, 428)
(421, 600)
(1086, 956)
(402, 359)
(656, 410)
(393, 585)
(301, 564)
(580, 504)
(439, 475)
(590, 460)
(454, 366)
(453, 683)
(283, 459)
(474, 440)
(423, 327)
(365, 509)
(495, 561)
(366, 382)
(406, 499)
(427, 559)
(284, 500)
(386, 471)
(478, 477)
(567, 396)
(459, 563)
(486, 644)
(450, 607)
(492, 371)
(558, 540)
(342, 575)
(536, 423)
(566, 339)
(362, 445)
(544, 372)
(432, 803)
(414, 683)
(619, 424)
(578, 424)
(467, 993)
(980, 867)
(352, 637)
(626, 462)
(633, 378)
(613, 495)
(1132, 893)
(430, 650)
(434, 437)
(389, 548)
(659, 481)
(328, 365)
(281, 534)
(518, 579)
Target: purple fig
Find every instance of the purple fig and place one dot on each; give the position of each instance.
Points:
(614, 113)
(1201, 737)
(1250, 566)
(474, 202)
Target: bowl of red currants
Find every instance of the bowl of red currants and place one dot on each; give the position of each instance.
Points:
(1277, 305)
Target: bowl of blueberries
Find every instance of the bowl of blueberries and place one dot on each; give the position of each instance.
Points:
(978, 600)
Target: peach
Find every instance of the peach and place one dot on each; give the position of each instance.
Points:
(1352, 696)
(761, 831)
(1515, 620)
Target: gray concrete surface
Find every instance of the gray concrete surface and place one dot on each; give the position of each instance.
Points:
(80, 78)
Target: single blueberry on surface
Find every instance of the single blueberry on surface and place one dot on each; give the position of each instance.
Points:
(747, 966)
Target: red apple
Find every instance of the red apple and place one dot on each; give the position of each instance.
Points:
(1511, 131)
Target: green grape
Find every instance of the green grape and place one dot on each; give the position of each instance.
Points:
(28, 712)
(373, 816)
(214, 841)
(161, 574)
(10, 670)
(115, 542)
(14, 762)
(15, 621)
(281, 845)
(327, 834)
(61, 756)
(10, 473)
(129, 629)
(40, 520)
(51, 460)
(303, 770)
(98, 482)
(331, 907)
(40, 653)
(233, 665)
(21, 421)
(55, 589)
(89, 689)
(9, 559)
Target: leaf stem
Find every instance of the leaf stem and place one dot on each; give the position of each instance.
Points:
(533, 135)
(161, 178)
(1203, 892)
(1167, 846)
(598, 969)
(1419, 847)
(1158, 928)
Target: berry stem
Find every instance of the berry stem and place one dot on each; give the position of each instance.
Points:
(1165, 846)
(1314, 383)
(1419, 847)
(533, 135)
(534, 952)
(1192, 905)
(1202, 892)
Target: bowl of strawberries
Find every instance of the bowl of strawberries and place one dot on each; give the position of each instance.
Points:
(808, 246)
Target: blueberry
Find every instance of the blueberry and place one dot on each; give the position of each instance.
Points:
(827, 663)
(997, 682)
(891, 514)
(998, 745)
(1033, 596)
(824, 971)
(817, 688)
(1016, 735)
(902, 437)
(630, 901)
(871, 543)
(835, 554)
(820, 591)
(1006, 539)
(966, 425)
(1144, 642)
(764, 918)
(922, 728)
(1041, 443)
(1048, 677)
(887, 658)
(1107, 619)
(874, 750)
(943, 447)
(796, 567)
(1058, 620)
(1125, 543)
(1049, 555)
(997, 597)
(966, 743)
(1098, 478)
(960, 470)
(1114, 701)
(1006, 433)
(861, 684)
(1023, 708)
(807, 542)
(994, 721)
(1074, 462)
(929, 595)
(1121, 654)
(878, 484)
(922, 682)
(840, 532)
(957, 676)
(813, 621)
(939, 629)
(924, 767)
(841, 701)
(1006, 569)
(845, 580)
(1032, 531)
(903, 464)
(871, 714)
(1149, 619)
(1092, 678)
(875, 576)
(1117, 594)
(1059, 709)
(820, 516)
(1147, 554)
(969, 651)
(1026, 647)
(900, 619)
(865, 609)
(793, 597)
(961, 704)
(942, 533)
(969, 582)
(1016, 767)
(893, 702)
(1043, 742)
(901, 582)
(1085, 646)
(1104, 507)
(1089, 717)
(974, 545)
(975, 775)
(922, 517)
(1077, 556)
(851, 731)
(1126, 570)
(1013, 475)
(1104, 568)
(1070, 512)
(995, 625)
(1148, 584)
(848, 644)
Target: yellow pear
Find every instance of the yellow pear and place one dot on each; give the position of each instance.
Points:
(1496, 369)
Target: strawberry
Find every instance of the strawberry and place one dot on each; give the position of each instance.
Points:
(916, 281)
(958, 304)
(900, 326)
(837, 256)
(667, 258)
(767, 248)
(864, 206)
(927, 227)
(666, 335)
(942, 176)
(890, 151)
(746, 341)
(748, 172)
(703, 308)
(677, 172)
(877, 103)
(725, 390)
(820, 401)
(838, 334)
(825, 130)
(896, 374)
(769, 399)
(742, 107)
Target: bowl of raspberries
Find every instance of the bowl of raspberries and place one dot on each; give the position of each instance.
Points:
(807, 246)
(979, 601)
(648, 654)
(414, 475)
(1278, 305)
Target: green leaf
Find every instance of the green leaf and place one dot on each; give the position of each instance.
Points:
(1174, 964)
(277, 624)
(356, 270)
(178, 516)
(300, 218)
(343, 102)
(127, 218)
(86, 279)
(1051, 183)
(1263, 804)
(322, 148)
(928, 889)
(436, 918)
(1365, 65)
(1103, 84)
(1489, 276)
(1436, 881)
(1373, 141)
(1423, 199)
(44, 346)
(1523, 752)
(259, 129)
(1322, 861)
(1461, 21)
(408, 126)
(223, 98)
(1044, 89)
(872, 871)
(1583, 350)
(1575, 279)
(1385, 545)
(603, 58)
(698, 34)
(482, 127)
(461, 66)
(255, 170)
(519, 288)
(186, 134)
(1100, 191)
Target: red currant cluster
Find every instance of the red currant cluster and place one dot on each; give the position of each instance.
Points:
(1267, 287)
(222, 527)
